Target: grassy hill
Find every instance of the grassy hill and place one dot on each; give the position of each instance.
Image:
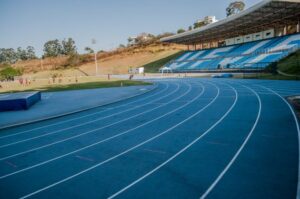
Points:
(286, 69)
(113, 62)
(290, 64)
(154, 66)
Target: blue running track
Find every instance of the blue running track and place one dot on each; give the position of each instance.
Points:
(189, 138)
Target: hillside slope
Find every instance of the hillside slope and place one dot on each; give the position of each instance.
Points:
(291, 64)
(114, 62)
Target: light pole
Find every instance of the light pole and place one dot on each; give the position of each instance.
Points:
(96, 61)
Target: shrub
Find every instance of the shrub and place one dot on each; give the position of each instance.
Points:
(8, 73)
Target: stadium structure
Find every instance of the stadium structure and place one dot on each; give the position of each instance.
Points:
(250, 40)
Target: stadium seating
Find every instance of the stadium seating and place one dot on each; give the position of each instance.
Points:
(252, 55)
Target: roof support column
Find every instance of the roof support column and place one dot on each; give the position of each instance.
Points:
(285, 29)
(298, 26)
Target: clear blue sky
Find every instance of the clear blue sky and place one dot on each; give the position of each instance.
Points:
(110, 22)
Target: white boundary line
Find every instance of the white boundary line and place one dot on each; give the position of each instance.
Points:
(85, 133)
(298, 130)
(120, 154)
(218, 179)
(101, 111)
(179, 152)
(85, 123)
(105, 140)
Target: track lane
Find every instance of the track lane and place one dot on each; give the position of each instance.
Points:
(200, 87)
(91, 138)
(79, 122)
(271, 155)
(56, 136)
(108, 152)
(182, 150)
(91, 112)
(186, 175)
(192, 171)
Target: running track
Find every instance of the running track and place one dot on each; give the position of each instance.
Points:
(188, 138)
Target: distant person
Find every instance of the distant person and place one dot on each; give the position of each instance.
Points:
(108, 76)
(21, 81)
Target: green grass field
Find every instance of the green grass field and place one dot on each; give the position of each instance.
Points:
(80, 86)
(153, 67)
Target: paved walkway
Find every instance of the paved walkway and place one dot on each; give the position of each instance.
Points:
(58, 103)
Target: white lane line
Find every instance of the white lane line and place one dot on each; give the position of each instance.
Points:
(218, 179)
(85, 123)
(77, 118)
(298, 131)
(105, 140)
(178, 153)
(120, 154)
(87, 132)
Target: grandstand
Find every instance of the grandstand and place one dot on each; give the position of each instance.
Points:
(250, 40)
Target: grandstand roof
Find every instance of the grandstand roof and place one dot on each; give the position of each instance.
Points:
(262, 16)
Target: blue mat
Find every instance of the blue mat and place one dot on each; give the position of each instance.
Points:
(18, 101)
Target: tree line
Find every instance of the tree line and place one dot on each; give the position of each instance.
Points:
(52, 48)
(10, 55)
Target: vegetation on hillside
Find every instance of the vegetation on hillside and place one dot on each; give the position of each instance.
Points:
(10, 56)
(290, 64)
(55, 48)
(286, 69)
(8, 73)
(113, 62)
(154, 67)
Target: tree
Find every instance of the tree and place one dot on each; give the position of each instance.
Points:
(89, 50)
(122, 46)
(235, 7)
(190, 28)
(199, 24)
(8, 55)
(26, 54)
(52, 48)
(68, 47)
(30, 52)
(181, 30)
(8, 73)
(21, 53)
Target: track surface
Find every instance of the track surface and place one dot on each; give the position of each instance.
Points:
(189, 138)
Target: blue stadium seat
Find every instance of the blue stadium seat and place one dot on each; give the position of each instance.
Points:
(252, 54)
